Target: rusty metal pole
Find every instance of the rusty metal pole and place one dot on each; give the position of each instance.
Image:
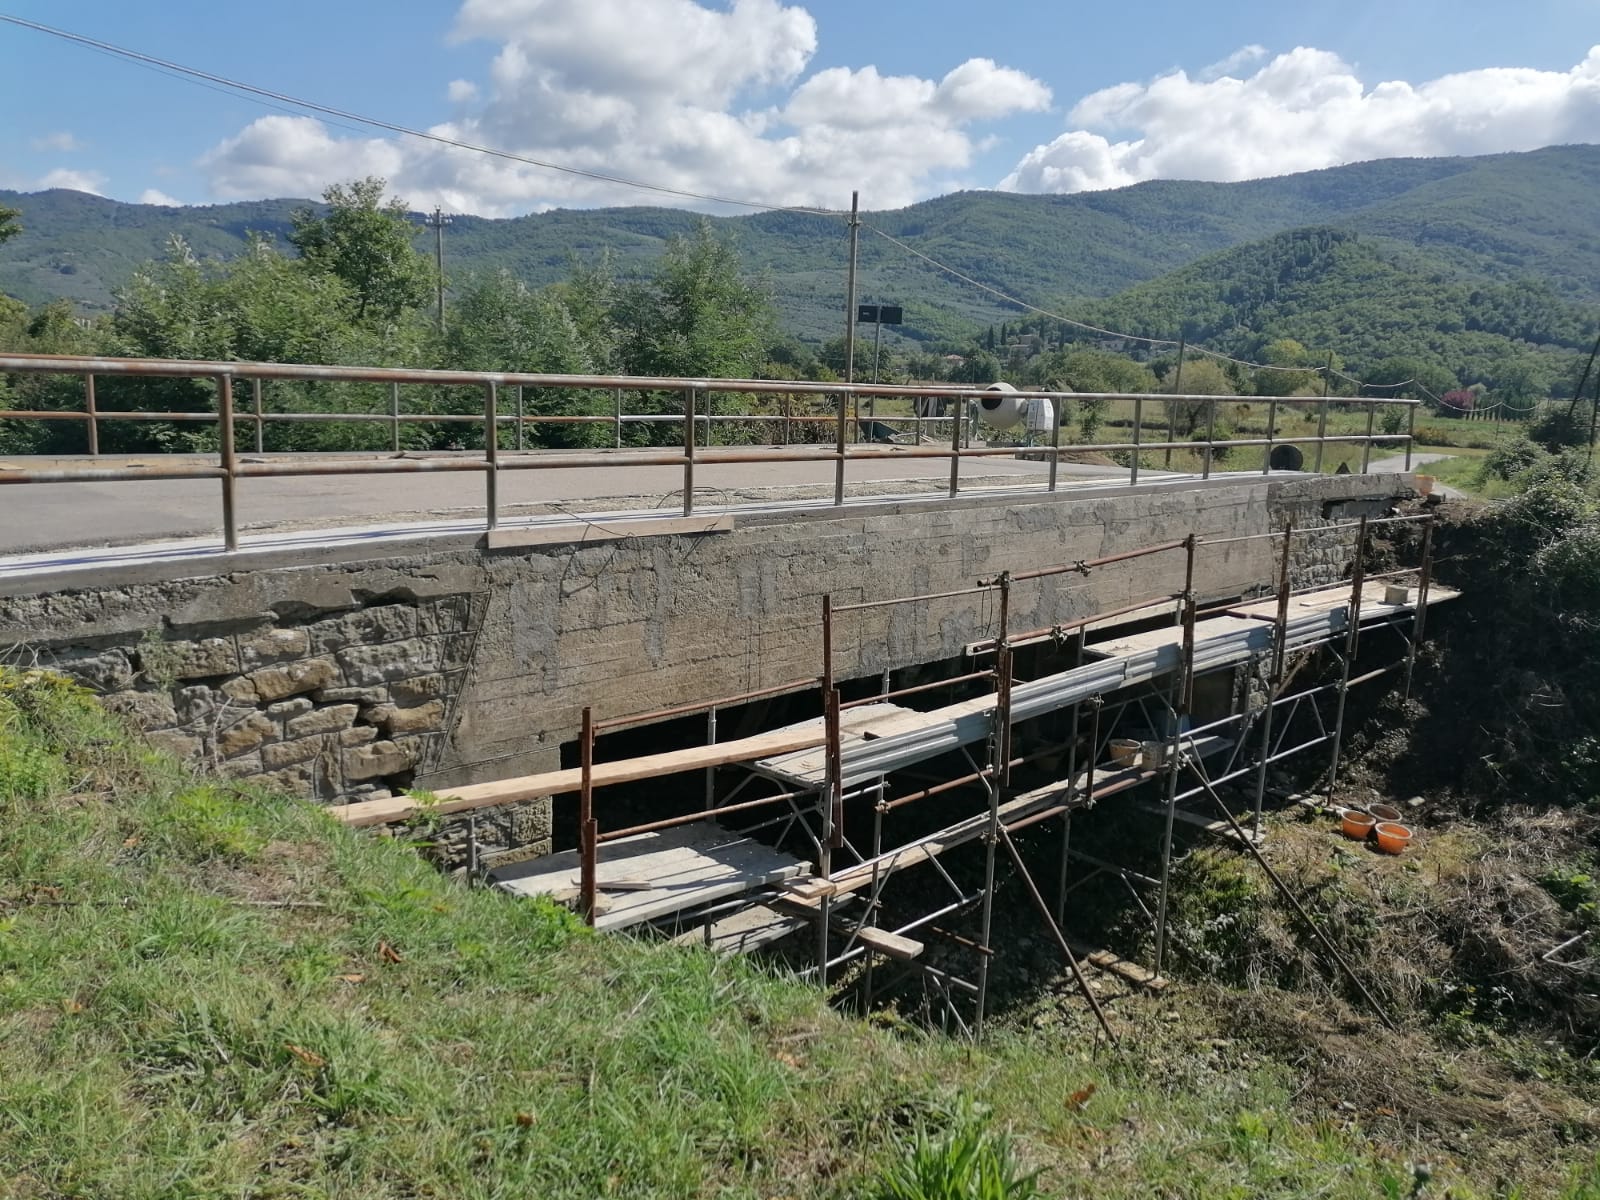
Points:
(588, 829)
(618, 418)
(1351, 639)
(849, 346)
(1138, 422)
(521, 414)
(255, 406)
(1182, 692)
(1211, 437)
(1055, 444)
(1177, 389)
(1322, 411)
(230, 466)
(1418, 622)
(1072, 783)
(955, 443)
(1272, 433)
(1411, 433)
(1055, 931)
(94, 414)
(1273, 678)
(491, 453)
(688, 452)
(1366, 448)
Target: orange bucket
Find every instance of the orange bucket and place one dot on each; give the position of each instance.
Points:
(1358, 825)
(1393, 837)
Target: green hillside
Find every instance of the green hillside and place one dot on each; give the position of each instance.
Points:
(1367, 299)
(1499, 217)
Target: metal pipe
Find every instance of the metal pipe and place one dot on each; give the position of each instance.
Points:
(955, 446)
(1273, 679)
(1272, 432)
(921, 687)
(1366, 450)
(255, 405)
(90, 411)
(1211, 439)
(1352, 636)
(1322, 413)
(1138, 418)
(1418, 621)
(230, 515)
(612, 835)
(1055, 932)
(521, 413)
(394, 417)
(688, 452)
(588, 829)
(1055, 447)
(491, 456)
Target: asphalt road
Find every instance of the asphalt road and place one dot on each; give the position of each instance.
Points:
(48, 516)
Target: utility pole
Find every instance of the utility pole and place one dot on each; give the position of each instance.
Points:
(436, 222)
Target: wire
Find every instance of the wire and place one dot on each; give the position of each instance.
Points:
(280, 98)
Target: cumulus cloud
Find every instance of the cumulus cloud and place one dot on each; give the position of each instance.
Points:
(156, 196)
(1304, 110)
(293, 156)
(92, 182)
(61, 142)
(684, 93)
(1242, 57)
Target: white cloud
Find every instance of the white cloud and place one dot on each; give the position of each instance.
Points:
(156, 196)
(92, 182)
(61, 142)
(1304, 110)
(1242, 57)
(293, 156)
(685, 93)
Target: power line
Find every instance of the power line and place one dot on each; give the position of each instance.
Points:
(280, 98)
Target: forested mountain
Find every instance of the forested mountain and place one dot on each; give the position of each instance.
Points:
(1367, 298)
(1502, 217)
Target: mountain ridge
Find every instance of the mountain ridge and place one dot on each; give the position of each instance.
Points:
(1494, 218)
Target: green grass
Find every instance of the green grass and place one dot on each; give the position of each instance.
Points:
(211, 991)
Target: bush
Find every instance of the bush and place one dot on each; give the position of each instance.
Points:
(1559, 426)
(965, 1161)
(1512, 457)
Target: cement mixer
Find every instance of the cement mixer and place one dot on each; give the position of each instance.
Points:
(999, 407)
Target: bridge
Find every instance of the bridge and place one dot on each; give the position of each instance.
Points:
(502, 627)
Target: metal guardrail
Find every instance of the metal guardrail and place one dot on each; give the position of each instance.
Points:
(697, 419)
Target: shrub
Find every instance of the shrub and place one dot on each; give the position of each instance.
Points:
(965, 1161)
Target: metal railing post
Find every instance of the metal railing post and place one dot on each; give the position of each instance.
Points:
(588, 828)
(955, 445)
(1211, 437)
(688, 452)
(1272, 433)
(1138, 420)
(1411, 432)
(1366, 448)
(94, 414)
(230, 516)
(521, 412)
(838, 448)
(255, 408)
(619, 418)
(394, 418)
(1055, 445)
(1322, 412)
(491, 453)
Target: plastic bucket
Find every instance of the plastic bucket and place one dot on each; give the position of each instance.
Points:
(1358, 825)
(1384, 812)
(1124, 751)
(1393, 837)
(1424, 484)
(1396, 593)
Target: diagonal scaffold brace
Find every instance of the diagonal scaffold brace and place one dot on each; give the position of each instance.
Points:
(1055, 930)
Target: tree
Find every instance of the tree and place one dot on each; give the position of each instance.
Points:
(1201, 377)
(367, 244)
(501, 325)
(698, 315)
(9, 227)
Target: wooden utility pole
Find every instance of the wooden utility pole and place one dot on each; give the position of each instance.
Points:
(436, 221)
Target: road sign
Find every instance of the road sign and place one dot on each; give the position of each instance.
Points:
(878, 314)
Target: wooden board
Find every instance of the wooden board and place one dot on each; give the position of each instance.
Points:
(801, 736)
(890, 945)
(686, 866)
(743, 931)
(1327, 599)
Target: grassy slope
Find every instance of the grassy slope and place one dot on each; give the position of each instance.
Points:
(207, 991)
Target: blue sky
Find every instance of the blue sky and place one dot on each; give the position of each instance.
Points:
(794, 102)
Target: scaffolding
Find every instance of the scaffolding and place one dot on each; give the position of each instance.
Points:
(829, 782)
